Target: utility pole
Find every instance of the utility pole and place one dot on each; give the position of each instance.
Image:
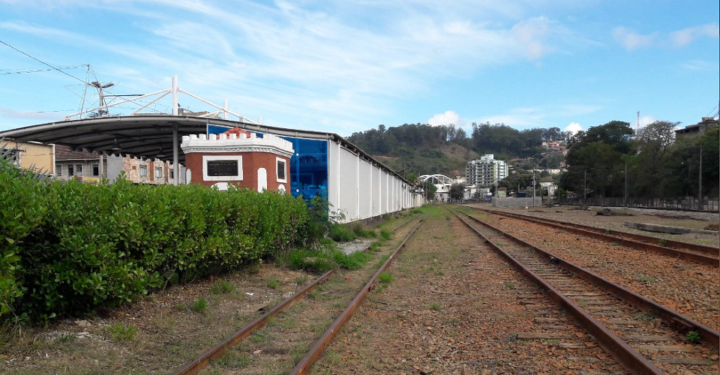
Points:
(700, 205)
(626, 186)
(638, 122)
(585, 187)
(533, 186)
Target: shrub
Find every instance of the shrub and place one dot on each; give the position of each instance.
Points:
(385, 235)
(693, 337)
(68, 248)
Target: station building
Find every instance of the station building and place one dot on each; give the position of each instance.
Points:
(321, 164)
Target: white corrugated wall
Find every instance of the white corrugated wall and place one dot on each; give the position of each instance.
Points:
(361, 190)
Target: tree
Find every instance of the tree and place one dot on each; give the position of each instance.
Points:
(412, 177)
(430, 190)
(600, 153)
(648, 162)
(457, 191)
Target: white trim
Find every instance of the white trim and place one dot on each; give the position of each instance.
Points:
(237, 158)
(277, 169)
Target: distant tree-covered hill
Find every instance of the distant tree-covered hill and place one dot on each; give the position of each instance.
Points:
(425, 149)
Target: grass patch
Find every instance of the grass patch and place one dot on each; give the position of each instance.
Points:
(273, 283)
(122, 333)
(308, 260)
(510, 285)
(258, 336)
(200, 305)
(341, 233)
(221, 287)
(435, 306)
(232, 359)
(693, 337)
(325, 259)
(353, 261)
(384, 235)
(385, 278)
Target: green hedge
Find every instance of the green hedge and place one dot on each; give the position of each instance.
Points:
(71, 247)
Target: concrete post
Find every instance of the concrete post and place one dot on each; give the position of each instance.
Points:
(174, 96)
(176, 158)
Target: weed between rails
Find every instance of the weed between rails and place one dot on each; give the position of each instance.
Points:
(326, 258)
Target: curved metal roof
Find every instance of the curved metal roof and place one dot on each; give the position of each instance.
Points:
(145, 135)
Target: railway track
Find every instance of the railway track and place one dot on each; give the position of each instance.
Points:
(201, 362)
(646, 337)
(681, 250)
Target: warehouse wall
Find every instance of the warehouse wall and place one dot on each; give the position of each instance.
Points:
(361, 190)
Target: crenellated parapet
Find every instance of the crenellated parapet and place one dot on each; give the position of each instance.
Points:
(232, 143)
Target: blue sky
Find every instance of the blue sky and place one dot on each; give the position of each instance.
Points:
(349, 65)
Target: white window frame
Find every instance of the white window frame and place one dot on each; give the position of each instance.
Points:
(79, 170)
(140, 170)
(277, 160)
(58, 169)
(207, 158)
(161, 172)
(70, 174)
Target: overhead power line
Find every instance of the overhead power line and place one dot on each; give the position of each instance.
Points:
(8, 72)
(713, 110)
(43, 62)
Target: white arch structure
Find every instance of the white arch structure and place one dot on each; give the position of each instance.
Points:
(441, 182)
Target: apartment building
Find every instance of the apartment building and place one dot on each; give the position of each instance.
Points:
(485, 171)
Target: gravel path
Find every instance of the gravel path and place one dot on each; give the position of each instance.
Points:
(686, 287)
(455, 307)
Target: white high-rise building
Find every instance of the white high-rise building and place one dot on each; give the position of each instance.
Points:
(486, 171)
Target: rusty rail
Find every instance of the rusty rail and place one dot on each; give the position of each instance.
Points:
(319, 347)
(403, 224)
(680, 321)
(576, 228)
(623, 352)
(196, 365)
(660, 241)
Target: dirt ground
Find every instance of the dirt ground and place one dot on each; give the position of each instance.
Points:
(687, 287)
(455, 307)
(590, 217)
(168, 328)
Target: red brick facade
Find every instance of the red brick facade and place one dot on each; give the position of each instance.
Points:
(251, 163)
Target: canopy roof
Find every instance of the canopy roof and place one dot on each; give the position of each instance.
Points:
(150, 135)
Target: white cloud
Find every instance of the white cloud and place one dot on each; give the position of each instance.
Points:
(539, 116)
(644, 121)
(631, 40)
(531, 34)
(686, 36)
(701, 65)
(447, 118)
(573, 128)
